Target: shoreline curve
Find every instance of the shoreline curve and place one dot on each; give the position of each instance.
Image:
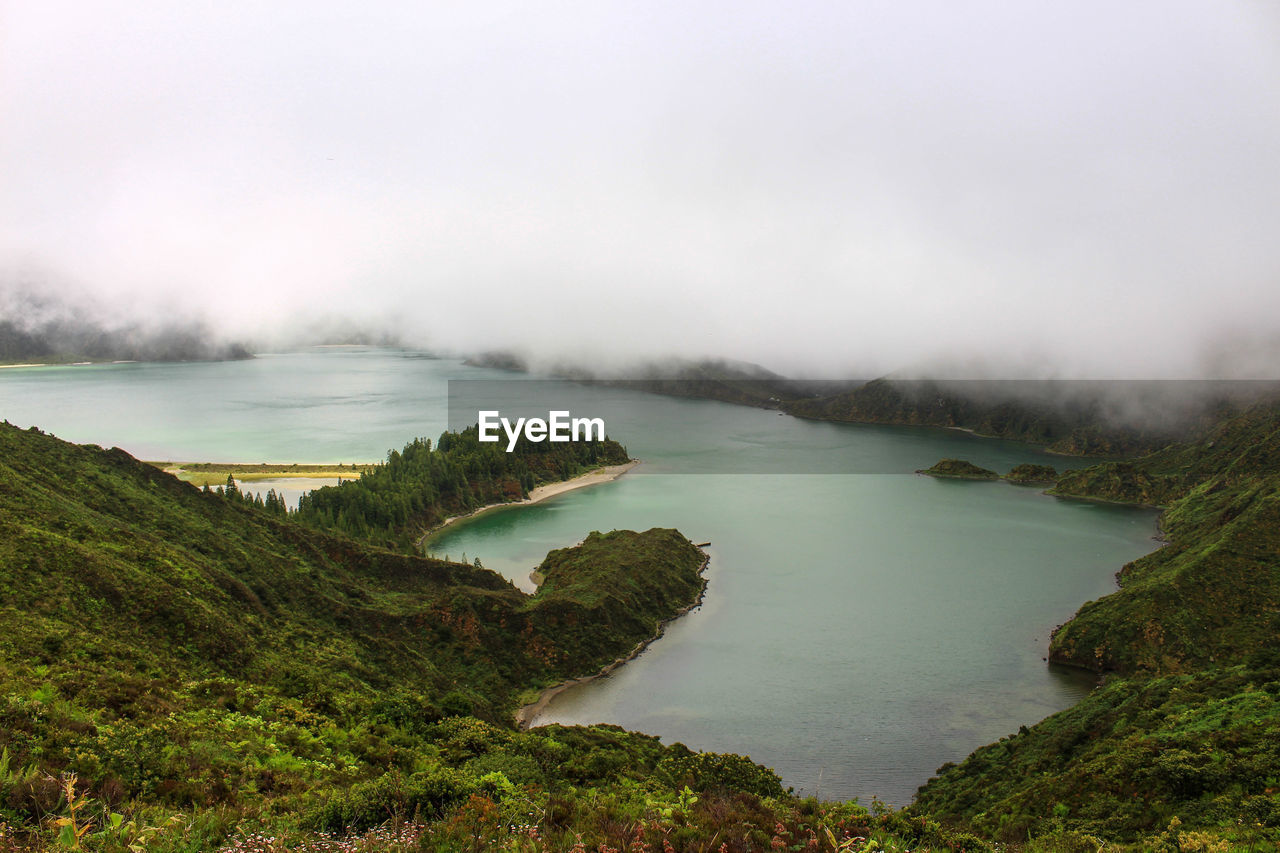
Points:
(526, 714)
(594, 477)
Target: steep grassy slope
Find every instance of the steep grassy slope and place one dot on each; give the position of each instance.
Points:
(120, 563)
(621, 583)
(1211, 595)
(1189, 725)
(174, 647)
(1121, 765)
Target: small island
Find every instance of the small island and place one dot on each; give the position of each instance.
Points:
(958, 469)
(1028, 474)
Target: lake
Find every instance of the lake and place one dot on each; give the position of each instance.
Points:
(862, 624)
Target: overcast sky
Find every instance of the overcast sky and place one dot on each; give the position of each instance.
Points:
(1081, 188)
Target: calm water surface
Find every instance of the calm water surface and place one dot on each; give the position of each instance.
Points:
(860, 628)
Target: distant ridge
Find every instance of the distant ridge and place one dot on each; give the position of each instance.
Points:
(47, 329)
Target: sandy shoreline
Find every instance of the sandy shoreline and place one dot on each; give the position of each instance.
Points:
(538, 494)
(525, 714)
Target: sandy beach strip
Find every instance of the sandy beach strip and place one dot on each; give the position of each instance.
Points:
(538, 494)
(591, 478)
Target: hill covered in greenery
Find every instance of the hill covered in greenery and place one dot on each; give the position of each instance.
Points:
(1077, 418)
(39, 326)
(958, 469)
(1187, 725)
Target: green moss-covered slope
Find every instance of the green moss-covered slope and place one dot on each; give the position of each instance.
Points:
(958, 469)
(1117, 482)
(1210, 595)
(1127, 760)
(109, 560)
(1028, 474)
(1187, 726)
(1074, 418)
(621, 582)
(177, 649)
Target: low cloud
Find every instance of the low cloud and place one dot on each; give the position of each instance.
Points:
(827, 189)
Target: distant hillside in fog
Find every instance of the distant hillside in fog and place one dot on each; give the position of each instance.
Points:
(37, 327)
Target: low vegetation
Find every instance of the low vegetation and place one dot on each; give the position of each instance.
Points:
(958, 469)
(1029, 474)
(1187, 727)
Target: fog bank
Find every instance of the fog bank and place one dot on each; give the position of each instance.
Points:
(826, 189)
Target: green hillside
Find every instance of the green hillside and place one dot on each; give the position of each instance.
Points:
(124, 567)
(1077, 418)
(1188, 723)
(958, 469)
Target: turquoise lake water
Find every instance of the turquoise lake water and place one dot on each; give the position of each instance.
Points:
(863, 624)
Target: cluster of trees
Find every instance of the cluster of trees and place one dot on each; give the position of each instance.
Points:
(393, 503)
(272, 502)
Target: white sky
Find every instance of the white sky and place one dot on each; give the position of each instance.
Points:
(1076, 188)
